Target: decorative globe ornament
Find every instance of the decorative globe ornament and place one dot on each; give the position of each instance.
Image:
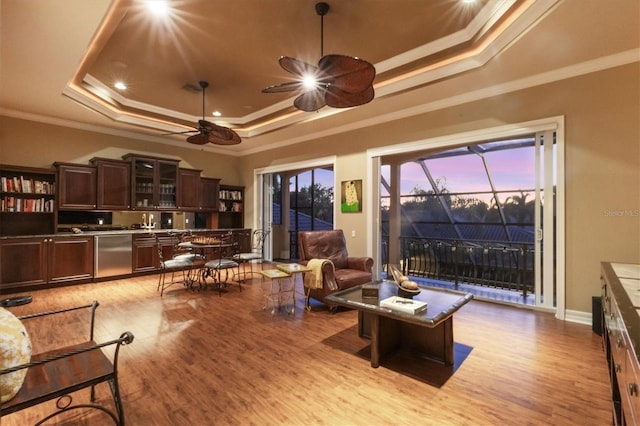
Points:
(15, 349)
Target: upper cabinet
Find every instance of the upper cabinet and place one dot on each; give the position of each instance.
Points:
(76, 186)
(189, 189)
(209, 196)
(114, 184)
(231, 207)
(154, 182)
(27, 200)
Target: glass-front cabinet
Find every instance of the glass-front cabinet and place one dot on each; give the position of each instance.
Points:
(153, 183)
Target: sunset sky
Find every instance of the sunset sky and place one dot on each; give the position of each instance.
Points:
(511, 170)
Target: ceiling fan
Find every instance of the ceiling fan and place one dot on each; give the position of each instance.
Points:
(208, 132)
(338, 81)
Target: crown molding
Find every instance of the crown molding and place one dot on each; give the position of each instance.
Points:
(571, 71)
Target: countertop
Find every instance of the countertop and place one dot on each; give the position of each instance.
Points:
(122, 232)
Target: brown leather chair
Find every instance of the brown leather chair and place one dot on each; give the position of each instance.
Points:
(345, 272)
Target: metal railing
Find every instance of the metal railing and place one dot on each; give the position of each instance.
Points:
(493, 264)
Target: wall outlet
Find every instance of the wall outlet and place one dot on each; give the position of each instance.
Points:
(353, 233)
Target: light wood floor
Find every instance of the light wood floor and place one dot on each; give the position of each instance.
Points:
(202, 359)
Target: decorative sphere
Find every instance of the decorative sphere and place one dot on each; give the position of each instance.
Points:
(15, 349)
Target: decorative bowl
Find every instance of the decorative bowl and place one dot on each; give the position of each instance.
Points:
(398, 278)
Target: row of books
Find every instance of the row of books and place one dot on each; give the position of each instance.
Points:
(230, 195)
(235, 207)
(16, 204)
(27, 186)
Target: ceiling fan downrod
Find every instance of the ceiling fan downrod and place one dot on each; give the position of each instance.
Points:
(204, 86)
(322, 9)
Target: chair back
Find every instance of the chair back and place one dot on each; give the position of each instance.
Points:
(228, 245)
(182, 237)
(161, 255)
(324, 245)
(257, 240)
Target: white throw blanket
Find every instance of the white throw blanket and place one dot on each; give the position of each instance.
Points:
(313, 279)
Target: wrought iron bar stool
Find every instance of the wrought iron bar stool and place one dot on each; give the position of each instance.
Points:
(215, 268)
(257, 243)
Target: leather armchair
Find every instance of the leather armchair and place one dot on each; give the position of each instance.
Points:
(345, 272)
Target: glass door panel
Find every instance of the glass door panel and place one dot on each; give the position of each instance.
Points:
(168, 173)
(144, 183)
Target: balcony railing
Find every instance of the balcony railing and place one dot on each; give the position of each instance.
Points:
(493, 264)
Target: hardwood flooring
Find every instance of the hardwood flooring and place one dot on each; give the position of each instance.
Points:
(202, 359)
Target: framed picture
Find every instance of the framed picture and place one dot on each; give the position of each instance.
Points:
(351, 199)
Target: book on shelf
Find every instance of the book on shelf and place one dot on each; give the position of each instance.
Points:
(28, 205)
(26, 186)
(403, 304)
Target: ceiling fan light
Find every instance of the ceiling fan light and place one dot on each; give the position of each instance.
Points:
(309, 82)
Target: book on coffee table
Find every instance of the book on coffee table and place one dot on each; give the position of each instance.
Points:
(403, 304)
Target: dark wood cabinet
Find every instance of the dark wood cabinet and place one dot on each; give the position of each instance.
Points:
(23, 263)
(29, 262)
(76, 186)
(145, 250)
(189, 189)
(113, 183)
(621, 330)
(209, 196)
(145, 255)
(70, 259)
(27, 201)
(153, 182)
(231, 207)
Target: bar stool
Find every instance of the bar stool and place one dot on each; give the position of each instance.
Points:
(257, 243)
(214, 268)
(173, 266)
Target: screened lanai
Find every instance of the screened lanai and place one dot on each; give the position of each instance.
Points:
(466, 217)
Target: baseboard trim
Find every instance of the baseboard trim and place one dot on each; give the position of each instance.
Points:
(578, 317)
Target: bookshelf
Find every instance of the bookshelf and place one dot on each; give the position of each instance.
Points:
(27, 200)
(231, 207)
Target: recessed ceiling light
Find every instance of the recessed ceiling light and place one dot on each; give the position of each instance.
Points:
(158, 7)
(120, 85)
(216, 113)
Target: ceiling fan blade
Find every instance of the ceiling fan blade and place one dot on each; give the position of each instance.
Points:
(284, 87)
(337, 98)
(221, 135)
(199, 139)
(310, 101)
(347, 73)
(296, 66)
(179, 133)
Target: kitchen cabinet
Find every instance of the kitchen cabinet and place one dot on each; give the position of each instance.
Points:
(70, 259)
(76, 186)
(231, 207)
(43, 261)
(209, 194)
(189, 189)
(145, 250)
(153, 183)
(27, 201)
(113, 184)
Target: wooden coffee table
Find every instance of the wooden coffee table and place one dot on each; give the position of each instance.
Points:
(426, 334)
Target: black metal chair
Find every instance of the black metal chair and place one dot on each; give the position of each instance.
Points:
(183, 250)
(257, 244)
(218, 269)
(182, 266)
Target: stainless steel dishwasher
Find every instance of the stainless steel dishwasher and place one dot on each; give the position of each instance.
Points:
(112, 255)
